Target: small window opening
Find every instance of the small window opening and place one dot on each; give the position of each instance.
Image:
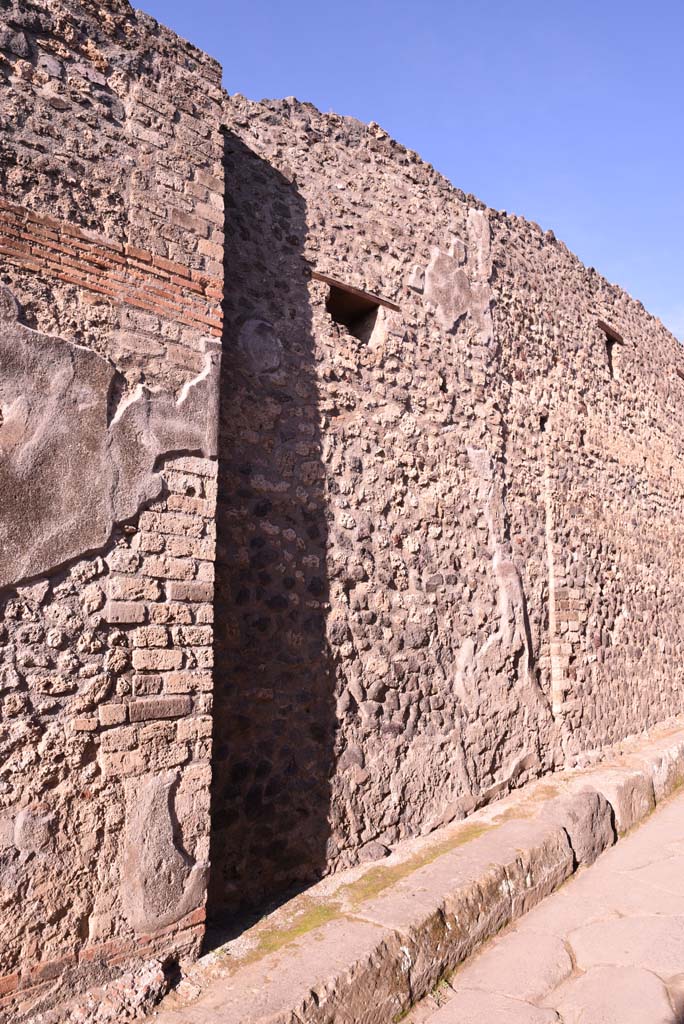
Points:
(353, 308)
(610, 345)
(353, 312)
(543, 422)
(613, 343)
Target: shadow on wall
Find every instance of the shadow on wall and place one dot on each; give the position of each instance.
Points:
(274, 708)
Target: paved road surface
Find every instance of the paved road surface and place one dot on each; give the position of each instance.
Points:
(607, 948)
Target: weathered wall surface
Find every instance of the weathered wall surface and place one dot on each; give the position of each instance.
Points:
(447, 548)
(373, 634)
(111, 225)
(600, 484)
(111, 231)
(275, 712)
(447, 541)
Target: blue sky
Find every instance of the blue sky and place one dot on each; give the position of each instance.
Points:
(567, 113)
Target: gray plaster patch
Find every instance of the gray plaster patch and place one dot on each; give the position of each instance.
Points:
(68, 474)
(447, 288)
(160, 883)
(260, 346)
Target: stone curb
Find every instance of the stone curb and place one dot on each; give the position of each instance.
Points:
(379, 953)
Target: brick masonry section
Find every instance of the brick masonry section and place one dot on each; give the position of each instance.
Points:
(128, 274)
(128, 731)
(111, 243)
(111, 181)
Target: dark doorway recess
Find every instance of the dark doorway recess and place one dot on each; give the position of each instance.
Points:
(274, 708)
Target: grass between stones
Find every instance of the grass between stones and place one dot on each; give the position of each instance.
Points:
(382, 877)
(307, 914)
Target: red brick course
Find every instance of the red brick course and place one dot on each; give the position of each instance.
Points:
(125, 273)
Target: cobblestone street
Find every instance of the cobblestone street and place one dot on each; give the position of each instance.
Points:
(608, 948)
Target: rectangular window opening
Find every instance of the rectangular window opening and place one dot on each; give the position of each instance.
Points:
(614, 342)
(353, 308)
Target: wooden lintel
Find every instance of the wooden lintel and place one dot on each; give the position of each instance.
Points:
(611, 333)
(377, 300)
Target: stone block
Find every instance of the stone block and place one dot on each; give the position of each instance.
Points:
(166, 567)
(195, 636)
(629, 995)
(172, 613)
(125, 612)
(84, 723)
(133, 589)
(448, 908)
(151, 636)
(192, 592)
(9, 983)
(112, 714)
(123, 737)
(505, 967)
(628, 791)
(121, 763)
(156, 659)
(664, 761)
(345, 972)
(172, 523)
(159, 707)
(587, 817)
(143, 685)
(188, 682)
(35, 827)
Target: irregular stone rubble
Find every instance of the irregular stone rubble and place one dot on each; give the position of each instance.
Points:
(448, 550)
(129, 997)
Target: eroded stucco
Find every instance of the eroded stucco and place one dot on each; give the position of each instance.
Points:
(73, 464)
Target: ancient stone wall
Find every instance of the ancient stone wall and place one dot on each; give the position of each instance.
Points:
(595, 456)
(446, 531)
(110, 169)
(111, 232)
(377, 664)
(447, 537)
